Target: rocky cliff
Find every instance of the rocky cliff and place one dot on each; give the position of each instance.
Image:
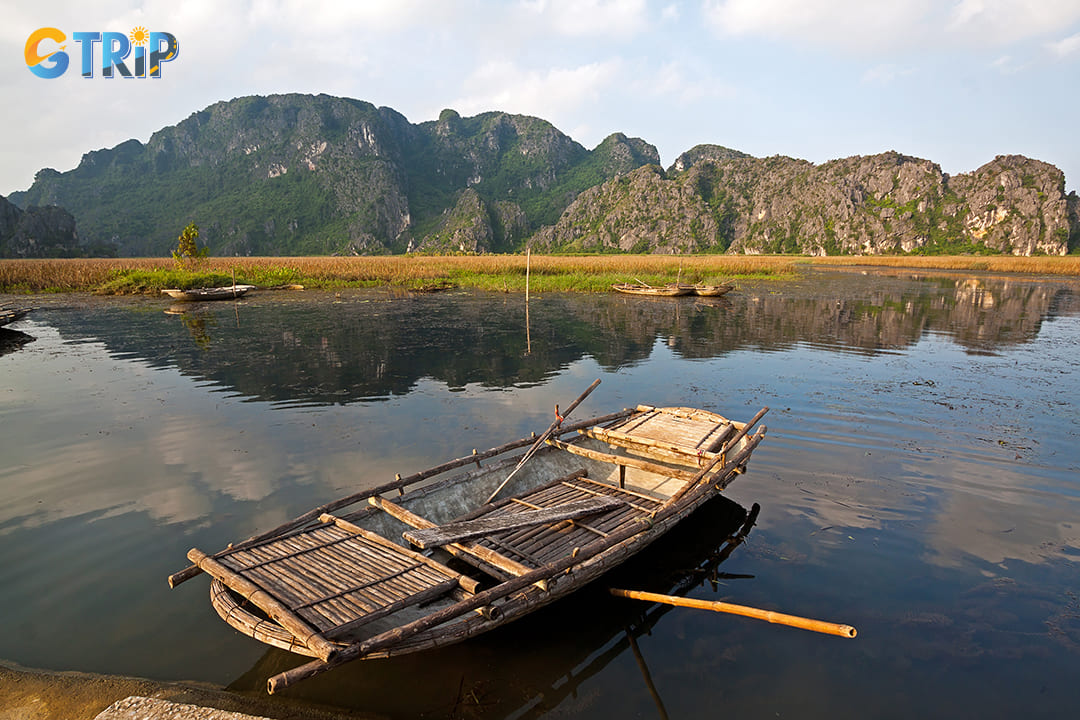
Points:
(302, 174)
(37, 232)
(715, 200)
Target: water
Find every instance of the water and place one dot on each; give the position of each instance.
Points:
(919, 481)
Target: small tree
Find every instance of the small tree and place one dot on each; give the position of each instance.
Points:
(187, 248)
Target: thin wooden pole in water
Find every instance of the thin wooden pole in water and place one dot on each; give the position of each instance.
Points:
(528, 338)
(715, 605)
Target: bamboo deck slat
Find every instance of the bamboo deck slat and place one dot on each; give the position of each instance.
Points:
(333, 579)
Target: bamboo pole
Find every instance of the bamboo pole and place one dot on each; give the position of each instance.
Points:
(397, 484)
(547, 433)
(820, 626)
(746, 428)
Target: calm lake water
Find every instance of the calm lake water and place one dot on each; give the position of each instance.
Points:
(920, 481)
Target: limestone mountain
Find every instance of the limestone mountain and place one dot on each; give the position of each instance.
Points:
(716, 200)
(302, 174)
(37, 232)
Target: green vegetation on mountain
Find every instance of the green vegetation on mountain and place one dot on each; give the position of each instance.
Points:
(319, 175)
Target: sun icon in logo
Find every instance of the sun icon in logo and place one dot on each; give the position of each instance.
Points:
(139, 35)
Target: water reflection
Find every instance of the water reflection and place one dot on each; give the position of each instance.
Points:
(318, 348)
(12, 340)
(567, 644)
(919, 481)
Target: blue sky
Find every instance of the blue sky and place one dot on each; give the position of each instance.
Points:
(953, 81)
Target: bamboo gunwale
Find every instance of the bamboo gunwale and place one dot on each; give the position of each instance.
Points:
(399, 483)
(590, 561)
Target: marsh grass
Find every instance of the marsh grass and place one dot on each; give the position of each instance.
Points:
(547, 273)
(487, 272)
(1039, 264)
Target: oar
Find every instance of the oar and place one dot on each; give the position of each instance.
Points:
(547, 433)
(767, 615)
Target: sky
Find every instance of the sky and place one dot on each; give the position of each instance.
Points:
(953, 81)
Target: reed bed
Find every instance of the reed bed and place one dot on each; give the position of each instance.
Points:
(1040, 264)
(547, 273)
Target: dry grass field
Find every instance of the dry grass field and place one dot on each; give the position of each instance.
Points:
(547, 273)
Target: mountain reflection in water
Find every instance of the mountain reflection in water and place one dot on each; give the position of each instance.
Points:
(919, 481)
(319, 348)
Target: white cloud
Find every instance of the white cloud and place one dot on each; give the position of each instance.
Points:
(548, 93)
(591, 17)
(675, 82)
(887, 25)
(1001, 22)
(832, 23)
(885, 73)
(1065, 47)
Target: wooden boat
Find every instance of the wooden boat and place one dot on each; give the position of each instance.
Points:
(708, 290)
(11, 314)
(229, 292)
(642, 289)
(501, 539)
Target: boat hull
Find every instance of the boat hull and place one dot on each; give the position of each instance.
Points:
(201, 294)
(340, 586)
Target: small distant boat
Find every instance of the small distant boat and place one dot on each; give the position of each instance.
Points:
(228, 292)
(643, 289)
(11, 314)
(708, 290)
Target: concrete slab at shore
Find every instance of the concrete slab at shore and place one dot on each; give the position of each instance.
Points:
(144, 708)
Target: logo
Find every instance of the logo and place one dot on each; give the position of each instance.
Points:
(46, 54)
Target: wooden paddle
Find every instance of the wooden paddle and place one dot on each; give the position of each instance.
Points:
(767, 615)
(547, 433)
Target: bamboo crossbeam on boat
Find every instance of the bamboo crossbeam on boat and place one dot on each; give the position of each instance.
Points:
(469, 529)
(305, 633)
(466, 582)
(669, 451)
(820, 626)
(621, 460)
(571, 521)
(464, 549)
(399, 483)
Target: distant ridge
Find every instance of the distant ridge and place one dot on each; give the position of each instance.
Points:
(314, 174)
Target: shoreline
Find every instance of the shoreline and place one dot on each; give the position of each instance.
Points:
(506, 273)
(35, 694)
